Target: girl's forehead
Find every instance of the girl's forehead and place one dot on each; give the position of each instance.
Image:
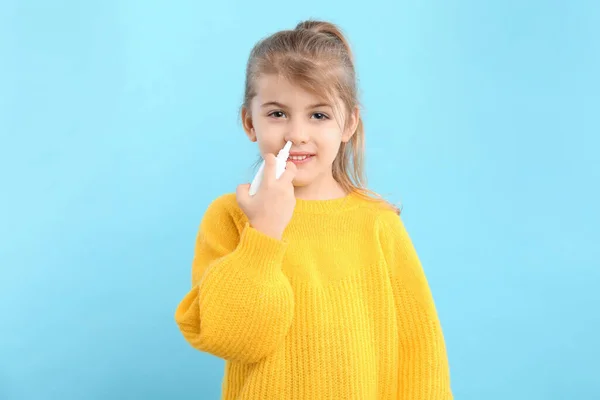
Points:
(273, 88)
(267, 84)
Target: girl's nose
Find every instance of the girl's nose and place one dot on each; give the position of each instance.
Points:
(297, 134)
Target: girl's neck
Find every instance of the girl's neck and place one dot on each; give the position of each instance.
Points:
(320, 191)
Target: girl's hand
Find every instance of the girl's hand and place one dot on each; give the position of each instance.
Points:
(271, 208)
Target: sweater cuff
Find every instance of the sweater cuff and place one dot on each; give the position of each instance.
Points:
(263, 253)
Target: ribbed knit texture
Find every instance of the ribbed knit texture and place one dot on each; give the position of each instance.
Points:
(338, 309)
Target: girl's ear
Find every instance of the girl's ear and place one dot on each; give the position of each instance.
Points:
(352, 125)
(247, 124)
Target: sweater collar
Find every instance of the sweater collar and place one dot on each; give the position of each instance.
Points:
(336, 205)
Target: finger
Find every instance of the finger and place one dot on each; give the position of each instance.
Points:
(241, 194)
(270, 167)
(290, 172)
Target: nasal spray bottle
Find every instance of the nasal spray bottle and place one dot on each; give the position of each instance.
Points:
(281, 162)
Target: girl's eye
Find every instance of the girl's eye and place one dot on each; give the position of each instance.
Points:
(320, 116)
(277, 114)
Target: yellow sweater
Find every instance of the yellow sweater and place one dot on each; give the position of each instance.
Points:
(338, 309)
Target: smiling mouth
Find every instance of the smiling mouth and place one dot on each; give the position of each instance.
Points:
(300, 159)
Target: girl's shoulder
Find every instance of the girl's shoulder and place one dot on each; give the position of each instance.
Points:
(225, 209)
(384, 215)
(225, 201)
(373, 202)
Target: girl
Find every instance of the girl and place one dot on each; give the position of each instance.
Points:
(311, 289)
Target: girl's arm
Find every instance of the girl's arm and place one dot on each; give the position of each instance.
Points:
(241, 304)
(424, 371)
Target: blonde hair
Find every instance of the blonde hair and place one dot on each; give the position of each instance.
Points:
(317, 56)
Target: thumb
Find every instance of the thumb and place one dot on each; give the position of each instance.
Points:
(242, 195)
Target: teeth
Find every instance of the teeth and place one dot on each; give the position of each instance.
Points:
(298, 158)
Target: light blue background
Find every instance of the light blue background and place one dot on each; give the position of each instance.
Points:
(119, 124)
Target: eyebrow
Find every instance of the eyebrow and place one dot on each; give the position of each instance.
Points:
(277, 104)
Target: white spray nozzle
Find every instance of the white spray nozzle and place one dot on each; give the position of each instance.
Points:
(285, 151)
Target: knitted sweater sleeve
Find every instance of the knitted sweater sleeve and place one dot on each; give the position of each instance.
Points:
(240, 305)
(424, 369)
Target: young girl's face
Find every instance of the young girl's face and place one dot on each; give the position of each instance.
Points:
(282, 111)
